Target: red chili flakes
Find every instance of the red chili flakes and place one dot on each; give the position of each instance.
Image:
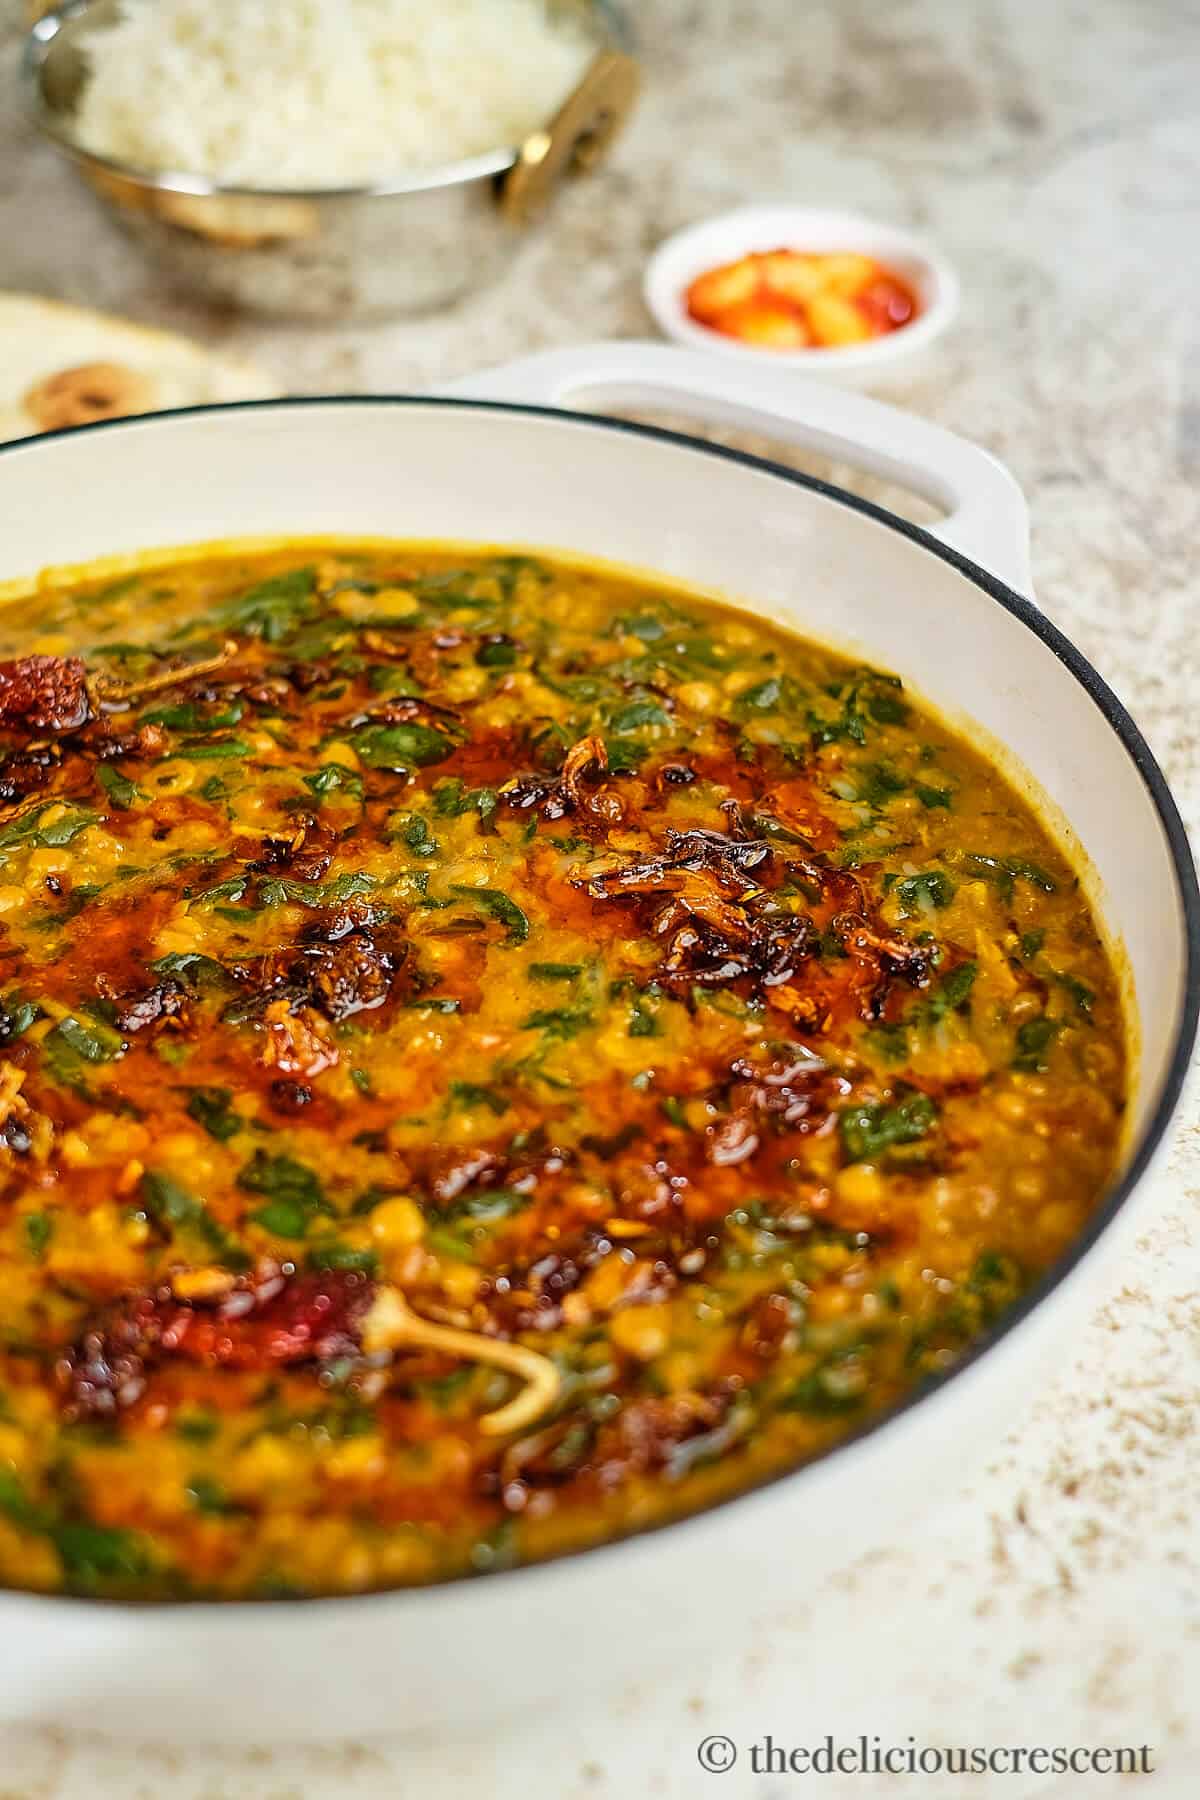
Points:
(262, 1321)
(43, 693)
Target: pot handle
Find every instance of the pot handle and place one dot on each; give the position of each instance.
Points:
(985, 516)
(577, 137)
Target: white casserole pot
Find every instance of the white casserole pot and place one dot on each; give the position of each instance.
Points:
(949, 611)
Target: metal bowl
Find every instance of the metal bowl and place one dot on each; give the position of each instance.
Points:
(406, 245)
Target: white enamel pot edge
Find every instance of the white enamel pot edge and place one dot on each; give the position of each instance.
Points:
(452, 1657)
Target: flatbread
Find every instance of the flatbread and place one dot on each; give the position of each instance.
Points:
(64, 365)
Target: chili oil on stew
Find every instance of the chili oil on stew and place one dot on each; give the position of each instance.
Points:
(493, 1055)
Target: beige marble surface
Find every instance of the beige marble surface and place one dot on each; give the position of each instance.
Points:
(1054, 150)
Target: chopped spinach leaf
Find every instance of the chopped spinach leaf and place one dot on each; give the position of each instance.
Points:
(868, 698)
(486, 1207)
(1002, 871)
(87, 1040)
(643, 1017)
(344, 1256)
(212, 749)
(413, 830)
(764, 696)
(186, 715)
(1034, 1039)
(294, 1194)
(332, 778)
(950, 992)
(97, 1556)
(1083, 996)
(167, 1201)
(473, 1094)
(233, 889)
(212, 1107)
(625, 755)
(53, 834)
(193, 971)
(637, 714)
(498, 652)
(882, 783)
(401, 747)
(501, 908)
(838, 1384)
(891, 1041)
(559, 1022)
(67, 829)
(120, 790)
(39, 1229)
(208, 1496)
(452, 798)
(918, 893)
(867, 1132)
(197, 1427)
(272, 609)
(16, 1016)
(278, 892)
(643, 626)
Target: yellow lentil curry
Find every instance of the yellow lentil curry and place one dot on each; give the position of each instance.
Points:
(493, 1055)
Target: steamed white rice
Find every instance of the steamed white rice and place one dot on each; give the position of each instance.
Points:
(323, 93)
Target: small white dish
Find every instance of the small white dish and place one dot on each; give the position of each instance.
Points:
(678, 261)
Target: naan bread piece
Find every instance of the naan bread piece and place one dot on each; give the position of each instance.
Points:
(64, 365)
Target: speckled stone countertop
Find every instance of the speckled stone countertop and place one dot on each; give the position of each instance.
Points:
(1054, 151)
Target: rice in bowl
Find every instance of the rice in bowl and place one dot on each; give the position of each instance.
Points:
(323, 93)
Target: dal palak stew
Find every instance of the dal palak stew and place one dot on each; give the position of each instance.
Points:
(493, 1055)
